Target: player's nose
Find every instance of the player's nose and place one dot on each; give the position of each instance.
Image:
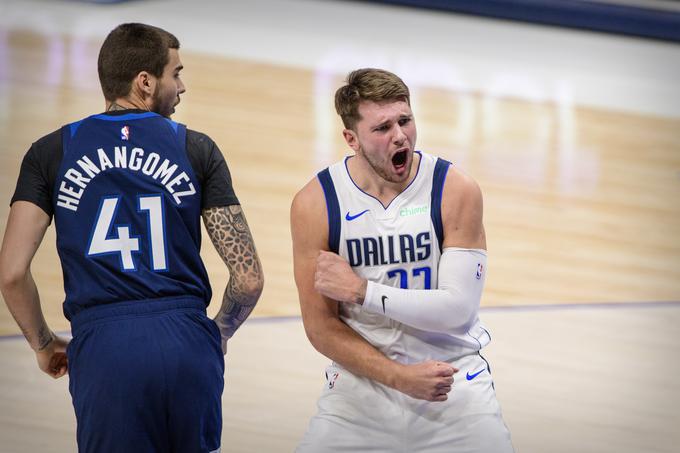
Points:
(399, 135)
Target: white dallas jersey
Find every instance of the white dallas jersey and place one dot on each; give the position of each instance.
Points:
(397, 245)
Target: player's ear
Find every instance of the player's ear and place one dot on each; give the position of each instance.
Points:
(351, 139)
(145, 83)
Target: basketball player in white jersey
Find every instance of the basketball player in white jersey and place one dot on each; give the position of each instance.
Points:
(390, 262)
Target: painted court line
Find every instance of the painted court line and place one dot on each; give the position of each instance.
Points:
(511, 308)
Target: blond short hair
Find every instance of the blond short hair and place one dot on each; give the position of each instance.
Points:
(367, 84)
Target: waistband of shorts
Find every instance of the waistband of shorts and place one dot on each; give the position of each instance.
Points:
(135, 307)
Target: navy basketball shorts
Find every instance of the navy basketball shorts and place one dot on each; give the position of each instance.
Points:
(147, 376)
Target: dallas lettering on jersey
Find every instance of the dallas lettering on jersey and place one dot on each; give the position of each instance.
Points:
(381, 250)
(136, 160)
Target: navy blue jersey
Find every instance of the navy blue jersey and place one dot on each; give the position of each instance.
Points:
(127, 209)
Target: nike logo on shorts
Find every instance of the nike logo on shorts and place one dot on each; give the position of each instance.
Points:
(470, 377)
(384, 298)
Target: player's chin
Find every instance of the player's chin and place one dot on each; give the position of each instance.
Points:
(168, 112)
(172, 108)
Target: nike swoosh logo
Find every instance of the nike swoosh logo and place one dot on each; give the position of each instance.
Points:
(474, 375)
(384, 298)
(349, 217)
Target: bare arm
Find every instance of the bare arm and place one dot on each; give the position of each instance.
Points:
(462, 210)
(229, 233)
(25, 230)
(328, 334)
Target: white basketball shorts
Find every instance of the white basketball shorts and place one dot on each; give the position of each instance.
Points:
(358, 415)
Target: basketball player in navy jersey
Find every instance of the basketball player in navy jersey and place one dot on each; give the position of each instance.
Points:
(127, 189)
(390, 261)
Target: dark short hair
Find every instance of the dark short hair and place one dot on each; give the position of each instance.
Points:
(367, 84)
(128, 50)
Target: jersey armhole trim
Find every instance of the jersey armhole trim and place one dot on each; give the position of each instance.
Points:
(332, 208)
(441, 169)
(173, 124)
(67, 134)
(181, 132)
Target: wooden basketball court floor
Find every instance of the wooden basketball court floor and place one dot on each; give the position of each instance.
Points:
(578, 156)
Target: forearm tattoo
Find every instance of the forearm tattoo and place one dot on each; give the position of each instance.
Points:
(44, 337)
(229, 232)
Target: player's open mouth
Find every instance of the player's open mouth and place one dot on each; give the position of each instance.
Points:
(399, 159)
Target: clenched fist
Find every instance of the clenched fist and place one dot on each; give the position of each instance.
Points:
(335, 279)
(431, 380)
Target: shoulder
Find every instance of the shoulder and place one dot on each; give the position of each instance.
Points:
(199, 140)
(462, 211)
(309, 200)
(49, 143)
(45, 154)
(461, 189)
(197, 136)
(308, 218)
(203, 153)
(38, 172)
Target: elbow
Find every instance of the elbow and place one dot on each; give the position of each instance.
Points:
(461, 322)
(461, 316)
(317, 341)
(326, 333)
(249, 282)
(313, 335)
(10, 277)
(458, 309)
(258, 284)
(253, 287)
(317, 337)
(459, 328)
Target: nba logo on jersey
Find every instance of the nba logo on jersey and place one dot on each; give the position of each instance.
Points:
(125, 133)
(331, 381)
(480, 269)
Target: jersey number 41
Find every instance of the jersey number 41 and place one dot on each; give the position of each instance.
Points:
(124, 244)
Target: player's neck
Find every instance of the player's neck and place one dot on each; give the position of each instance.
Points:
(130, 102)
(366, 178)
